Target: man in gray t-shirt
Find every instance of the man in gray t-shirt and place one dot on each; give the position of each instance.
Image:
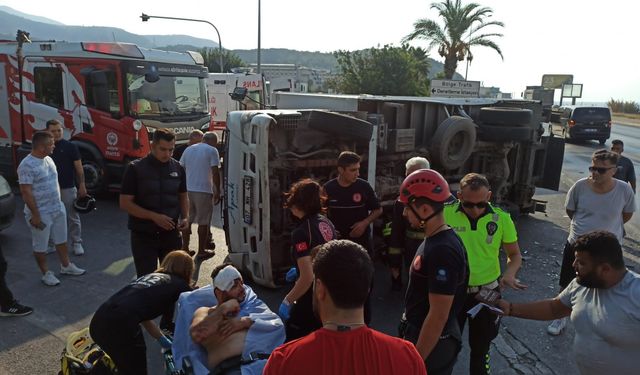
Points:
(597, 202)
(604, 304)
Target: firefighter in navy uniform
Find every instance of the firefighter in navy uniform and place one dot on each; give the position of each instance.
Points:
(484, 229)
(352, 203)
(306, 201)
(404, 240)
(353, 206)
(438, 276)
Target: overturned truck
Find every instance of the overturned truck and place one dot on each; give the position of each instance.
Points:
(268, 150)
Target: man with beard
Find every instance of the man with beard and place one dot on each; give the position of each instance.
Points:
(597, 202)
(219, 328)
(604, 304)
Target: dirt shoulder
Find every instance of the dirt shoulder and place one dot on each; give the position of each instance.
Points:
(625, 120)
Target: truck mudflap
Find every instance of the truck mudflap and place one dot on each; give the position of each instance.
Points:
(554, 156)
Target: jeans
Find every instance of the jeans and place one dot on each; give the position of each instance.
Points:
(74, 230)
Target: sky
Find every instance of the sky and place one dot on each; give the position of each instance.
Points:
(596, 41)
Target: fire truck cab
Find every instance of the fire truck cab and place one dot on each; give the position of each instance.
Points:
(110, 98)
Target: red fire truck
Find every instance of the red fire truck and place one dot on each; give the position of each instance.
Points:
(110, 97)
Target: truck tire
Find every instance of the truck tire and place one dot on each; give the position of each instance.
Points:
(505, 116)
(336, 123)
(453, 142)
(492, 133)
(93, 174)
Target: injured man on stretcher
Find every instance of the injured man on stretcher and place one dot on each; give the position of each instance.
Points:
(225, 327)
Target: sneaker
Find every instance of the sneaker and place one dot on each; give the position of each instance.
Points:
(557, 326)
(15, 309)
(50, 279)
(72, 270)
(78, 249)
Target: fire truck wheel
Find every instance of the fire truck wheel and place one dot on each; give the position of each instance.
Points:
(453, 142)
(340, 124)
(492, 133)
(505, 116)
(93, 174)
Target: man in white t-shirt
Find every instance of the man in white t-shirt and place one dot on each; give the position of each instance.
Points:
(597, 202)
(201, 163)
(44, 210)
(604, 304)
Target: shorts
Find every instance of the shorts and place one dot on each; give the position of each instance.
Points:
(55, 229)
(200, 207)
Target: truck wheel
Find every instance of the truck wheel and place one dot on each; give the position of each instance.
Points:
(340, 124)
(492, 133)
(506, 116)
(453, 142)
(93, 174)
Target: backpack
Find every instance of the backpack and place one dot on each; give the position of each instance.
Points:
(82, 356)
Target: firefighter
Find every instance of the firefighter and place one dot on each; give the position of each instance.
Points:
(438, 276)
(484, 229)
(403, 239)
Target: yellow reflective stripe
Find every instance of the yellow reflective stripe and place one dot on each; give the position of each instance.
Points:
(395, 250)
(414, 235)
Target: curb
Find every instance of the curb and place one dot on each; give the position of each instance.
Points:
(625, 121)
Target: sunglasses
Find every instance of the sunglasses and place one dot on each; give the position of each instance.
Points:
(472, 204)
(600, 170)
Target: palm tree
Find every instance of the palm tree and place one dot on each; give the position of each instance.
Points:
(459, 21)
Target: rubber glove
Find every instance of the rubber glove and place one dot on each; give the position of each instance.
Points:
(291, 275)
(284, 310)
(164, 342)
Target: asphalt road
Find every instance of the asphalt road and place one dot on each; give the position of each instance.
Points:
(32, 344)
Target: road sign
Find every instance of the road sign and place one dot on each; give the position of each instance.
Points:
(455, 89)
(555, 81)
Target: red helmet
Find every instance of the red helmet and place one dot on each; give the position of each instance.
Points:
(424, 183)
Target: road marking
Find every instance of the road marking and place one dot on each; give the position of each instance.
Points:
(118, 267)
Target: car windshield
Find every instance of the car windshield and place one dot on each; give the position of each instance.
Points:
(168, 96)
(591, 114)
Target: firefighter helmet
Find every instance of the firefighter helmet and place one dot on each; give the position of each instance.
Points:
(424, 183)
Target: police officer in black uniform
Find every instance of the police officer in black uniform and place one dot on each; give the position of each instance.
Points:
(438, 277)
(154, 194)
(306, 201)
(116, 324)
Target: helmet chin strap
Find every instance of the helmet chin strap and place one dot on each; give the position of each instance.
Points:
(423, 222)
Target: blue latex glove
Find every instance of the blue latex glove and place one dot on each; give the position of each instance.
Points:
(284, 310)
(291, 275)
(164, 342)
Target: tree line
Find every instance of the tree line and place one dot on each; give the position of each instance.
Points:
(404, 69)
(623, 106)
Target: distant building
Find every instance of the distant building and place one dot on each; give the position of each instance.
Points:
(493, 92)
(303, 78)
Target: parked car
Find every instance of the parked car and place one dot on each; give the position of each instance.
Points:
(581, 123)
(7, 204)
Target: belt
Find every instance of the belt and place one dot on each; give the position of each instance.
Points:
(236, 362)
(414, 235)
(475, 289)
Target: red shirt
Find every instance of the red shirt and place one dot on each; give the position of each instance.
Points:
(359, 351)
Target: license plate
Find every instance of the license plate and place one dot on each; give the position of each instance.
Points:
(247, 200)
(590, 130)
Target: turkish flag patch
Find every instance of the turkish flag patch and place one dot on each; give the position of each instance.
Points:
(301, 246)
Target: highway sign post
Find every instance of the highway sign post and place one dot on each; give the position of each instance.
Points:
(446, 88)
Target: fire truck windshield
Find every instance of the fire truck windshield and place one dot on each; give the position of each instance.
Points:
(168, 96)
